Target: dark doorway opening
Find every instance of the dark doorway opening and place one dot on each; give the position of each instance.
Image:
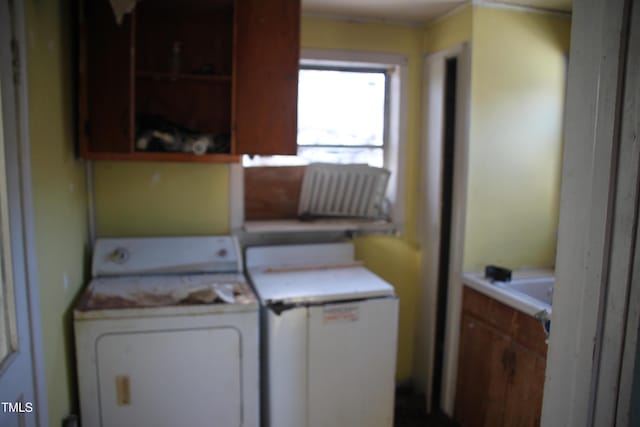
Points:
(448, 155)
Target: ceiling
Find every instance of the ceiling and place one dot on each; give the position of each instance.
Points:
(411, 11)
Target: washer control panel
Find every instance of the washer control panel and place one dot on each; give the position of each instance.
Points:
(120, 255)
(159, 255)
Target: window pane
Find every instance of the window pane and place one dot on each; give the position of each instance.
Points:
(365, 155)
(341, 107)
(341, 118)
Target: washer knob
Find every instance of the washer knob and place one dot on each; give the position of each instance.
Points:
(119, 255)
(222, 253)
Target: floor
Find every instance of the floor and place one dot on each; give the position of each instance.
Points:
(410, 412)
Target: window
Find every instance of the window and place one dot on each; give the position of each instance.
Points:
(352, 108)
(342, 117)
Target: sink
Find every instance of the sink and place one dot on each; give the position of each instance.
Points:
(540, 288)
(529, 291)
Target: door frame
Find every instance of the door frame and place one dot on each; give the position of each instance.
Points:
(27, 243)
(429, 223)
(596, 302)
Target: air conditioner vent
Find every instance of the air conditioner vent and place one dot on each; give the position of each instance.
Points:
(335, 190)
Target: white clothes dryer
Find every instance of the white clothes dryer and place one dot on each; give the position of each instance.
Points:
(167, 335)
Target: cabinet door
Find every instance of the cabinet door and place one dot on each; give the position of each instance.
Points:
(189, 377)
(266, 76)
(483, 362)
(523, 401)
(106, 80)
(285, 371)
(352, 360)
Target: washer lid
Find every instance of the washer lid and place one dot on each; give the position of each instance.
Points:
(318, 285)
(283, 256)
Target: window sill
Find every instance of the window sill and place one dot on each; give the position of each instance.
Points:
(329, 225)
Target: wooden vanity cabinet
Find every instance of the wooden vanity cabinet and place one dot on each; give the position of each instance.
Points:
(501, 365)
(223, 68)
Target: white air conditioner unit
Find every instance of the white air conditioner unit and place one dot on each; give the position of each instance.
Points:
(336, 190)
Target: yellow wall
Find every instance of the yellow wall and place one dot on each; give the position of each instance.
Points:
(515, 140)
(451, 31)
(517, 98)
(154, 199)
(59, 193)
(396, 261)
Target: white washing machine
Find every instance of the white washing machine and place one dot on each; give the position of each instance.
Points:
(167, 335)
(330, 330)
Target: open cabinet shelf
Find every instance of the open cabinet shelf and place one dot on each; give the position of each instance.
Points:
(192, 81)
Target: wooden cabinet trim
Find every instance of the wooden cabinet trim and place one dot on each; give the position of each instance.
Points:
(266, 80)
(166, 157)
(272, 193)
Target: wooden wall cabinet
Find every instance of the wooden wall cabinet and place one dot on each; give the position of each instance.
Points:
(222, 68)
(501, 365)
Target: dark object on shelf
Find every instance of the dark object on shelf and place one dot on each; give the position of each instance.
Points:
(497, 274)
(157, 134)
(222, 143)
(206, 69)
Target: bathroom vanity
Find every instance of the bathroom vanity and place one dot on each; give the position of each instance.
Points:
(502, 358)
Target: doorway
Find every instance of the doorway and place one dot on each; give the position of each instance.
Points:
(442, 219)
(448, 173)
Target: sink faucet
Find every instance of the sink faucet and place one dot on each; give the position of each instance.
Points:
(543, 317)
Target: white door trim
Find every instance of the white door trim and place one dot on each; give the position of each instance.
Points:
(236, 197)
(620, 305)
(29, 239)
(458, 222)
(430, 186)
(629, 367)
(582, 376)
